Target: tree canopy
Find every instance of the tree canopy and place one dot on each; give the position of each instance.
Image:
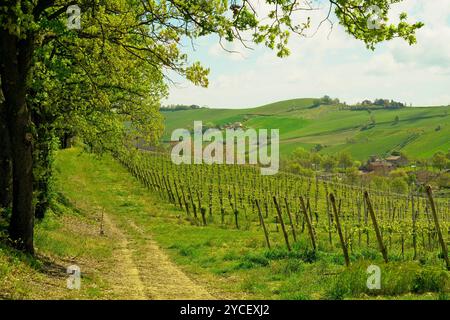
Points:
(105, 81)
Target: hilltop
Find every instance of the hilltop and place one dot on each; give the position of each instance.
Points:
(418, 132)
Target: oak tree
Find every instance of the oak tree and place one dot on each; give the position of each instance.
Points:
(117, 39)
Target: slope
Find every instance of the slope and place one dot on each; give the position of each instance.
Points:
(419, 132)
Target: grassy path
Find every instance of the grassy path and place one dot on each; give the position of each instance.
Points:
(141, 269)
(162, 279)
(93, 225)
(126, 274)
(151, 275)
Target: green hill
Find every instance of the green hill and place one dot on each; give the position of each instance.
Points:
(419, 132)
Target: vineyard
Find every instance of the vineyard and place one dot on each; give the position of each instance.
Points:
(285, 209)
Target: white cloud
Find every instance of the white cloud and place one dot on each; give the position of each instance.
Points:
(234, 51)
(337, 65)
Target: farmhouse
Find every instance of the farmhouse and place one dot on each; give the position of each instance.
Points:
(384, 166)
(397, 160)
(236, 125)
(380, 166)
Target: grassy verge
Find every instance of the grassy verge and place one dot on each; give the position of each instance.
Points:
(229, 263)
(234, 263)
(66, 237)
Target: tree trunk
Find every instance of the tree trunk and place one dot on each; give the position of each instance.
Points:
(43, 165)
(14, 71)
(66, 139)
(5, 162)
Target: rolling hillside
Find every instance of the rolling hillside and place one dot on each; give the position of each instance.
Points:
(419, 131)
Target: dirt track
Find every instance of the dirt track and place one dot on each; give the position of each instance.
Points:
(151, 276)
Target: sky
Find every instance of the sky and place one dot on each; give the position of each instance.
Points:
(328, 63)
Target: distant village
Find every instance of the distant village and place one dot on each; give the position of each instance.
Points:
(235, 126)
(384, 165)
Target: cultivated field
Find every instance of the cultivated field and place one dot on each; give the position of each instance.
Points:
(312, 220)
(419, 132)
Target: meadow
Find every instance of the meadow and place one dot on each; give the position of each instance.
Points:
(418, 133)
(320, 223)
(230, 261)
(234, 234)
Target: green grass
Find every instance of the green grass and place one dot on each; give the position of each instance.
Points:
(233, 263)
(230, 263)
(338, 130)
(65, 237)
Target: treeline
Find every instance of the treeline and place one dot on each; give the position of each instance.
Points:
(179, 107)
(307, 163)
(398, 178)
(364, 105)
(374, 105)
(325, 101)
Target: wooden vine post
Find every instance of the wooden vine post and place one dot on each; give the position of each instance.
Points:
(338, 226)
(203, 212)
(414, 226)
(222, 209)
(375, 226)
(178, 195)
(192, 203)
(286, 238)
(329, 217)
(438, 228)
(308, 223)
(186, 205)
(210, 193)
(290, 220)
(262, 223)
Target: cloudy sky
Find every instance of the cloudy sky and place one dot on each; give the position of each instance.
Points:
(329, 63)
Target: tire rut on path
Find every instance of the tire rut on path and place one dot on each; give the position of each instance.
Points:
(152, 275)
(126, 279)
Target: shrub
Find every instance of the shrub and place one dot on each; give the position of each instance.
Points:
(396, 279)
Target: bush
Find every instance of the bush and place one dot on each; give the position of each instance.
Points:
(399, 185)
(256, 259)
(430, 280)
(396, 279)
